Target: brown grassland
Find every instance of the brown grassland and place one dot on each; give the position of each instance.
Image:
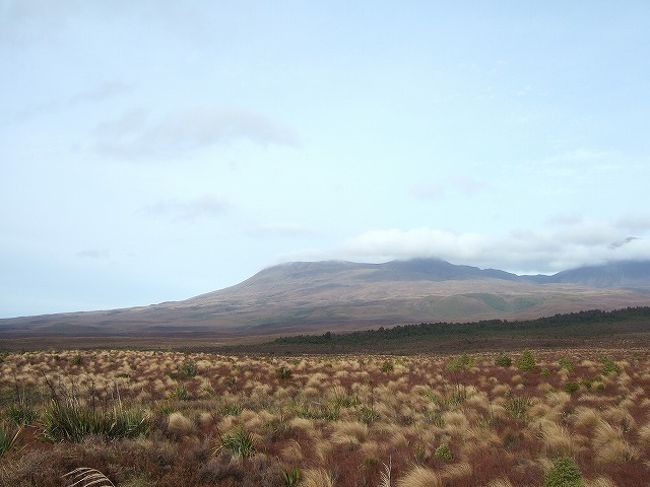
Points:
(143, 418)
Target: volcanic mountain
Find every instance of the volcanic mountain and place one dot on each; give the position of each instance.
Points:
(334, 295)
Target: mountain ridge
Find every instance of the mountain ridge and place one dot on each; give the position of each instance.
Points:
(311, 296)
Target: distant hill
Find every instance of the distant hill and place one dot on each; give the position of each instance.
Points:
(625, 274)
(306, 297)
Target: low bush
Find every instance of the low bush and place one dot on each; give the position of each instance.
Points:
(503, 360)
(609, 366)
(567, 364)
(460, 363)
(284, 373)
(189, 369)
(571, 387)
(526, 362)
(564, 473)
(444, 453)
(387, 367)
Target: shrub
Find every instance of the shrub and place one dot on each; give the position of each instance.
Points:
(587, 383)
(444, 453)
(503, 360)
(460, 363)
(567, 364)
(284, 373)
(240, 443)
(387, 367)
(526, 362)
(77, 360)
(610, 367)
(189, 369)
(571, 387)
(546, 372)
(564, 473)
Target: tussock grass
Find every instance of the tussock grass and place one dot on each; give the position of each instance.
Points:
(338, 420)
(69, 419)
(420, 477)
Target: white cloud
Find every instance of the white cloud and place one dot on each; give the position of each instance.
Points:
(185, 131)
(558, 248)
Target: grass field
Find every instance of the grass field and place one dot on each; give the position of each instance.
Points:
(548, 418)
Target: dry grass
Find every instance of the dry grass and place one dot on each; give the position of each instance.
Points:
(342, 421)
(420, 477)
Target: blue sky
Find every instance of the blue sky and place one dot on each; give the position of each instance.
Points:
(155, 150)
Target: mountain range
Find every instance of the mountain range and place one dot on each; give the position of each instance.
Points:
(335, 295)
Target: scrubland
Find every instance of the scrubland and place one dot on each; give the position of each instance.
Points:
(574, 417)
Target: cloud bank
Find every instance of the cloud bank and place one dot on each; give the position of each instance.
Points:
(561, 247)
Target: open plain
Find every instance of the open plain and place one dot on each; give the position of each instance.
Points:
(170, 419)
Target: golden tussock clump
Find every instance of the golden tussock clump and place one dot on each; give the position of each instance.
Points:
(500, 482)
(457, 471)
(455, 421)
(316, 477)
(370, 449)
(322, 449)
(556, 438)
(644, 435)
(292, 452)
(179, 425)
(500, 390)
(584, 417)
(303, 424)
(349, 432)
(600, 482)
(420, 477)
(610, 446)
(619, 415)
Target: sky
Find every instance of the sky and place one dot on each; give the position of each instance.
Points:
(156, 150)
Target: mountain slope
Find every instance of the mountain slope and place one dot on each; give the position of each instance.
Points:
(624, 274)
(316, 296)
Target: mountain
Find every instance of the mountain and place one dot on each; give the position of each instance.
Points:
(333, 295)
(623, 274)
